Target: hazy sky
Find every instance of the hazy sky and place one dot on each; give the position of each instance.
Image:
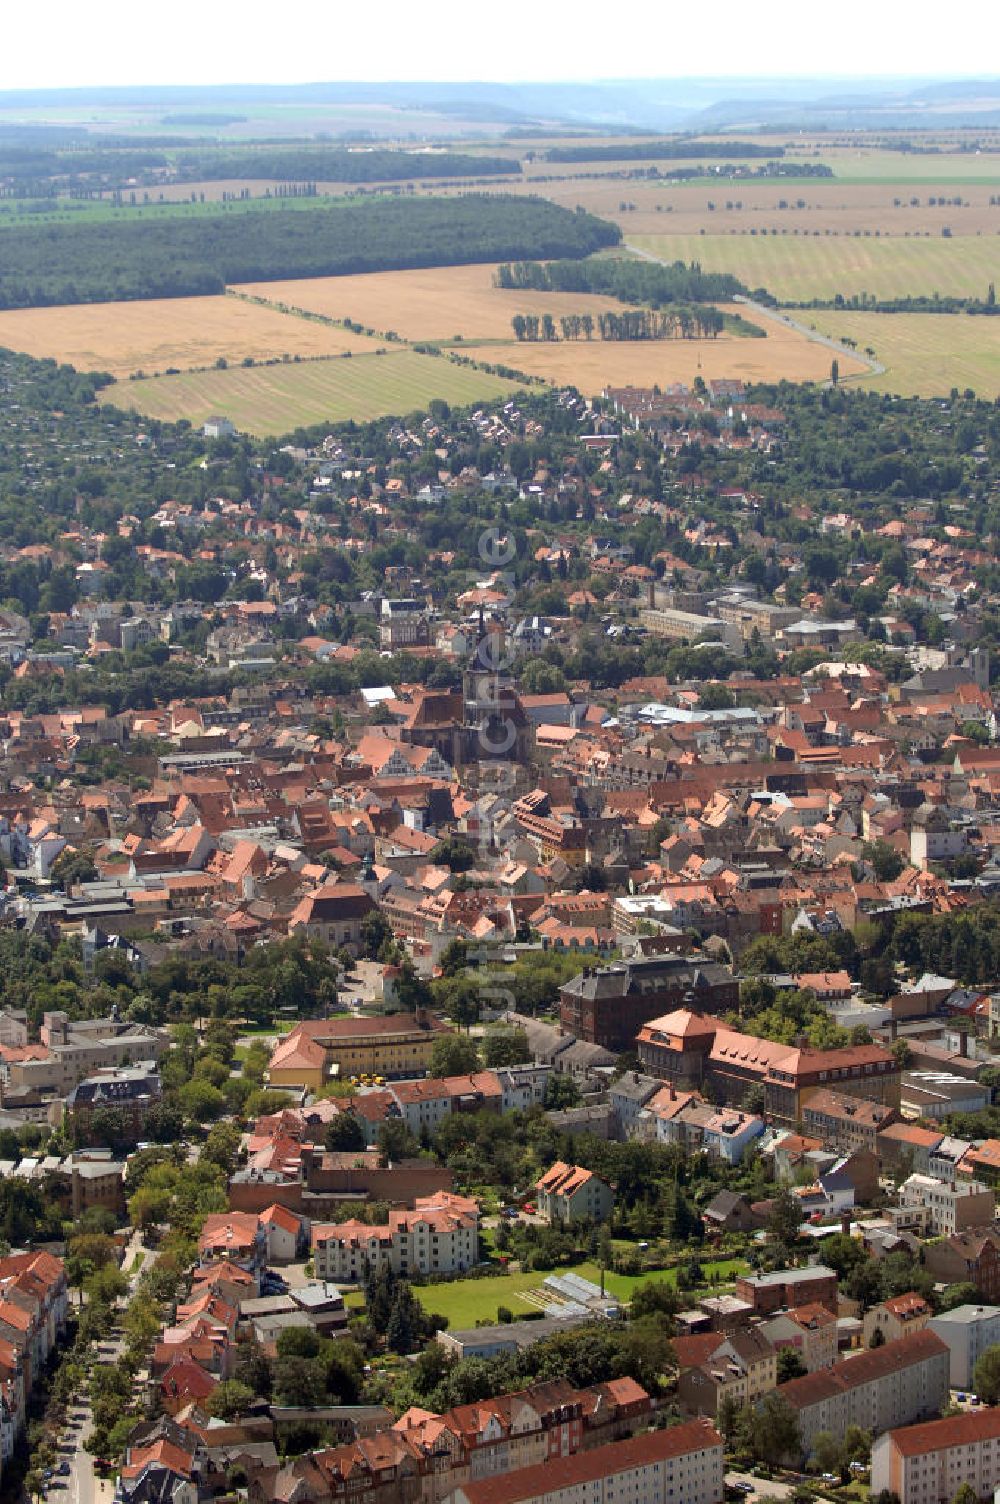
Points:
(62, 43)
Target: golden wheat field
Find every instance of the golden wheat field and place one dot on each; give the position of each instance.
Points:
(168, 333)
(783, 355)
(437, 303)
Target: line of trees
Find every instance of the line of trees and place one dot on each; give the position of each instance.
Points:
(95, 261)
(646, 282)
(919, 303)
(680, 322)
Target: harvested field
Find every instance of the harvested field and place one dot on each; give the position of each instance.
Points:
(434, 304)
(783, 355)
(168, 332)
(277, 399)
(924, 353)
(800, 267)
(809, 206)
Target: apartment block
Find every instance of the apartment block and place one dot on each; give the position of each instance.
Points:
(680, 1465)
(894, 1385)
(950, 1208)
(928, 1464)
(967, 1331)
(439, 1236)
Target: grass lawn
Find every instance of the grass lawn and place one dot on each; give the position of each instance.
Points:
(466, 1301)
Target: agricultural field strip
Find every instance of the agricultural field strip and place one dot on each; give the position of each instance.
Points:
(803, 267)
(158, 334)
(271, 400)
(922, 353)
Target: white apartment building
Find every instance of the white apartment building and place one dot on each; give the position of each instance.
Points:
(967, 1332)
(439, 1236)
(950, 1208)
(928, 1464)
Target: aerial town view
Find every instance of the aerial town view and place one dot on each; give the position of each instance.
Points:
(499, 757)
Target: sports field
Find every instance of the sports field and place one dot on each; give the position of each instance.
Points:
(276, 399)
(166, 333)
(592, 365)
(439, 303)
(809, 266)
(468, 1301)
(924, 353)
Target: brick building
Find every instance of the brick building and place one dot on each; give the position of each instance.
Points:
(608, 1005)
(788, 1288)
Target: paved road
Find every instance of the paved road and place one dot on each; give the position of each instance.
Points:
(762, 1487)
(777, 317)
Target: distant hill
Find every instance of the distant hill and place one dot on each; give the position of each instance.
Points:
(634, 104)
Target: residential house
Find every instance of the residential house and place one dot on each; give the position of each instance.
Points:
(567, 1194)
(810, 1330)
(894, 1318)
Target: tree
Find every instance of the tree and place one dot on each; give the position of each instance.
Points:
(965, 1494)
(506, 1047)
(834, 371)
(790, 1365)
(785, 1218)
(454, 1055)
(299, 1381)
(561, 1091)
(885, 859)
(412, 992)
(986, 1376)
(229, 1399)
(405, 1321)
(376, 932)
(200, 1101)
(826, 1452)
(344, 1132)
(396, 1142)
(775, 1432)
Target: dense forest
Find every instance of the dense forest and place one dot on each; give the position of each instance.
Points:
(331, 164)
(667, 149)
(93, 262)
(631, 281)
(30, 170)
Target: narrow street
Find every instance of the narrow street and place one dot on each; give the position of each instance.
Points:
(82, 1485)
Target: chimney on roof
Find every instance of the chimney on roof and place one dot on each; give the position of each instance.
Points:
(673, 1093)
(963, 1044)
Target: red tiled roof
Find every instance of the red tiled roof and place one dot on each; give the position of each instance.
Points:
(867, 1368)
(940, 1435)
